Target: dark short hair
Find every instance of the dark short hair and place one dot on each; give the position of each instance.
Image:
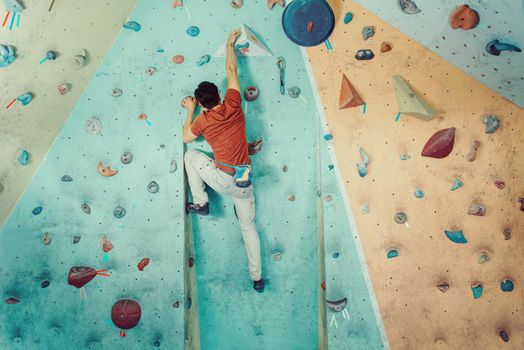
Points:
(207, 94)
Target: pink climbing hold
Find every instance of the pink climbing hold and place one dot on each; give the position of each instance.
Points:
(271, 3)
(106, 170)
(178, 3)
(521, 201)
(106, 244)
(178, 59)
(440, 144)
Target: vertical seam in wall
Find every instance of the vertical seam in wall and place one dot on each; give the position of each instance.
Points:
(347, 205)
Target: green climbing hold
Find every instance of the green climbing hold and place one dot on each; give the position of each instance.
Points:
(392, 253)
(456, 184)
(348, 17)
(477, 290)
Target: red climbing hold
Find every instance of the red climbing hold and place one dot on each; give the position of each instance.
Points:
(323, 285)
(191, 261)
(521, 201)
(464, 17)
(310, 26)
(143, 263)
(125, 314)
(79, 276)
(12, 300)
(440, 144)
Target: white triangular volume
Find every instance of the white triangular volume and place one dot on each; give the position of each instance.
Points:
(247, 44)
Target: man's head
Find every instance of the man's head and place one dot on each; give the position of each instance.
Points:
(207, 95)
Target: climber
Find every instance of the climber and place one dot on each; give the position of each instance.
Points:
(223, 126)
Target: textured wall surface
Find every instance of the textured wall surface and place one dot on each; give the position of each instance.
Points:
(416, 314)
(70, 27)
(502, 20)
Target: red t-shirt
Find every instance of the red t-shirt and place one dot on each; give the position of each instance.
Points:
(224, 129)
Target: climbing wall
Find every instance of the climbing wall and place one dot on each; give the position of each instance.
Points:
(67, 28)
(69, 207)
(415, 312)
(499, 20)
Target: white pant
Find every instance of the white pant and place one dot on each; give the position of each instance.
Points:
(201, 170)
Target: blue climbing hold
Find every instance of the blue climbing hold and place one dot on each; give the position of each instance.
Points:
(132, 25)
(495, 47)
(67, 178)
(243, 46)
(193, 31)
(456, 184)
(335, 255)
(23, 158)
(331, 167)
(363, 165)
(203, 60)
(392, 253)
(51, 55)
(37, 211)
(328, 137)
(492, 124)
(456, 236)
(405, 156)
(348, 17)
(477, 290)
(7, 55)
(25, 98)
(507, 285)
(159, 50)
(419, 193)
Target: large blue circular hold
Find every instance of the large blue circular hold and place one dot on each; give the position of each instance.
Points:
(308, 22)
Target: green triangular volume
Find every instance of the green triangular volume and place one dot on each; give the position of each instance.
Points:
(409, 102)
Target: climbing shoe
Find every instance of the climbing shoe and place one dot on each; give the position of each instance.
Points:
(259, 285)
(197, 209)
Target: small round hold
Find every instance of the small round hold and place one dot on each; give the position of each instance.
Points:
(236, 4)
(328, 137)
(364, 209)
(119, 212)
(66, 178)
(150, 70)
(46, 238)
(329, 198)
(152, 187)
(172, 166)
(292, 198)
(193, 31)
(126, 158)
(76, 239)
(251, 93)
(507, 234)
(86, 208)
(400, 217)
(178, 59)
(507, 285)
(63, 89)
(156, 343)
(51, 55)
(142, 116)
(335, 255)
(45, 284)
(37, 211)
(176, 305)
(293, 92)
(278, 256)
(419, 193)
(500, 184)
(285, 168)
(404, 156)
(116, 92)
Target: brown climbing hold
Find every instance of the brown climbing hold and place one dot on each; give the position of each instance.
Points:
(476, 209)
(385, 47)
(106, 244)
(443, 286)
(440, 144)
(348, 95)
(291, 198)
(236, 4)
(46, 238)
(473, 149)
(464, 17)
(507, 234)
(106, 171)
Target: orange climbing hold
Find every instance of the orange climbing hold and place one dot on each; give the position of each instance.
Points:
(464, 17)
(348, 95)
(106, 170)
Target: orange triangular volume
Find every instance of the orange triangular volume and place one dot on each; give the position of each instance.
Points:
(348, 95)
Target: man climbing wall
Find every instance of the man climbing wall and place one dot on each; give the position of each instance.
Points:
(224, 127)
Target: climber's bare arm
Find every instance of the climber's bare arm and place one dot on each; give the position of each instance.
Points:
(231, 61)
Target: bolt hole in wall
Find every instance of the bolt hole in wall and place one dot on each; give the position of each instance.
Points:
(95, 247)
